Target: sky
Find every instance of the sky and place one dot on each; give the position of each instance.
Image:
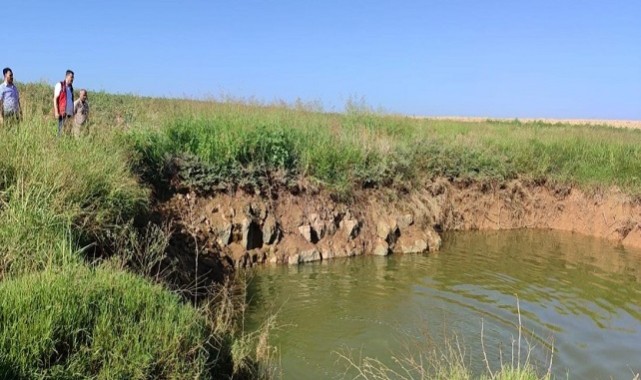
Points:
(514, 59)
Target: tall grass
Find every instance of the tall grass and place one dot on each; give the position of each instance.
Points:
(57, 192)
(448, 360)
(358, 150)
(361, 148)
(63, 317)
(80, 321)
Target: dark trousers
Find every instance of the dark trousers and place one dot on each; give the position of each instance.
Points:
(11, 119)
(64, 123)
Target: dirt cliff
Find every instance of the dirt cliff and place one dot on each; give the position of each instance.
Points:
(241, 230)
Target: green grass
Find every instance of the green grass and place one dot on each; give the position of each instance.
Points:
(352, 151)
(234, 140)
(76, 322)
(63, 318)
(56, 193)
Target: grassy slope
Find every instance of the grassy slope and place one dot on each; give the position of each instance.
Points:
(65, 190)
(61, 317)
(101, 323)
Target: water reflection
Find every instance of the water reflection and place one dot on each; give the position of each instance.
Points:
(580, 290)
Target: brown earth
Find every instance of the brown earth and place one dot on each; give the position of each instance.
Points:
(242, 230)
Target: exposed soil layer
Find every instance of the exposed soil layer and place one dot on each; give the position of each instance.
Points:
(241, 230)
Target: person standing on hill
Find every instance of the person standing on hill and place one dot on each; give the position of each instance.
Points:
(63, 102)
(80, 112)
(10, 110)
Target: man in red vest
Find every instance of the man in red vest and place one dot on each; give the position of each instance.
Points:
(63, 102)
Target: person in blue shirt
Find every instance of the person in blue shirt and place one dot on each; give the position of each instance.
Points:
(10, 110)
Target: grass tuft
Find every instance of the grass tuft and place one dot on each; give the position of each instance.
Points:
(98, 323)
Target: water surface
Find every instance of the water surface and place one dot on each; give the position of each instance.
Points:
(577, 294)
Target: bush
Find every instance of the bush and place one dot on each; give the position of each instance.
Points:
(209, 155)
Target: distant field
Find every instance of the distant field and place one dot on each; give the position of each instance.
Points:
(635, 124)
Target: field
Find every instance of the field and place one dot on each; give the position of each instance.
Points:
(80, 258)
(633, 124)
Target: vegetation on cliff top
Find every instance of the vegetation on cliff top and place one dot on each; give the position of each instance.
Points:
(239, 145)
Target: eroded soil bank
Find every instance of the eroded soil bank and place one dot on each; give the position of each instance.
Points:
(241, 230)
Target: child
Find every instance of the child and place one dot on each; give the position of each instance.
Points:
(80, 112)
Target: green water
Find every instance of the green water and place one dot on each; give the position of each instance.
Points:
(577, 294)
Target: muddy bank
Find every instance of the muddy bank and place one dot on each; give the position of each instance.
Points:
(241, 230)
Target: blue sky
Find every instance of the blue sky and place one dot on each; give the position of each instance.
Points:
(565, 59)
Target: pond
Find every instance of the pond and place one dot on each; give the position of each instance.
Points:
(578, 300)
